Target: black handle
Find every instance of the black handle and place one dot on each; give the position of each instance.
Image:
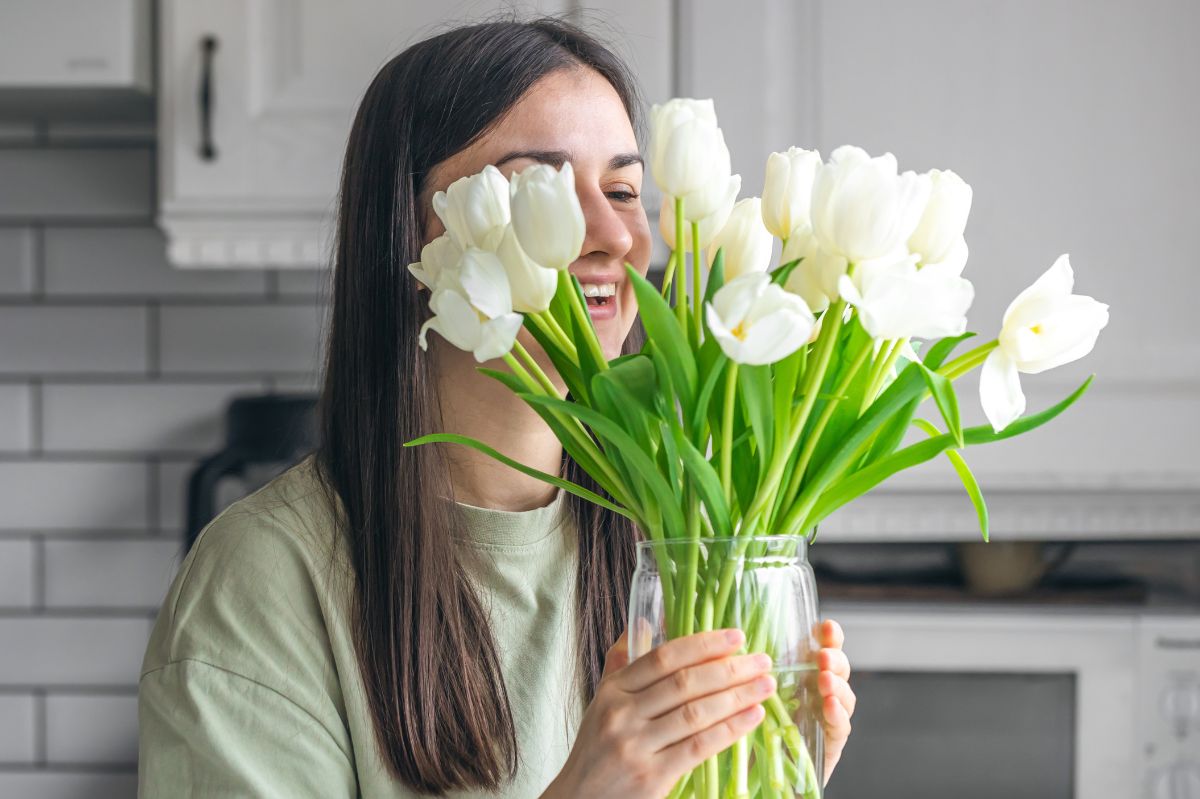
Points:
(208, 46)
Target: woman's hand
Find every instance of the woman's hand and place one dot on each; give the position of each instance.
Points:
(833, 682)
(654, 720)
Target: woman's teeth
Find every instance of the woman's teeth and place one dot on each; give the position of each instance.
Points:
(598, 293)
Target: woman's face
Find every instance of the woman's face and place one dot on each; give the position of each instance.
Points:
(573, 115)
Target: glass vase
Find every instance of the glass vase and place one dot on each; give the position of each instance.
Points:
(764, 586)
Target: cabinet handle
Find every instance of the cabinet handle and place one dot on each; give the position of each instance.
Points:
(208, 46)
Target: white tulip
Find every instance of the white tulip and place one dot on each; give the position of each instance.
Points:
(1044, 327)
(747, 243)
(532, 285)
(475, 209)
(756, 322)
(685, 145)
(939, 235)
(816, 277)
(787, 192)
(438, 258)
(896, 300)
(861, 208)
(711, 197)
(477, 315)
(710, 225)
(546, 214)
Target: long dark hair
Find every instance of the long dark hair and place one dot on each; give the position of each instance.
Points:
(417, 618)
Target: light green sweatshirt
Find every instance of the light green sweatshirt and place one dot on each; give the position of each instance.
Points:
(250, 684)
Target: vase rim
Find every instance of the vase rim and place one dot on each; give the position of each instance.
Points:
(773, 537)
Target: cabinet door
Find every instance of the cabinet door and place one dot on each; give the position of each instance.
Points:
(285, 78)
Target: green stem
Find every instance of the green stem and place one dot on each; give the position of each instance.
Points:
(814, 436)
(680, 294)
(550, 326)
(879, 376)
(669, 275)
(696, 279)
(727, 431)
(583, 319)
(968, 361)
(542, 378)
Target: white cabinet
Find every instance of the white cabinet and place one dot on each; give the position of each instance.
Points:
(284, 78)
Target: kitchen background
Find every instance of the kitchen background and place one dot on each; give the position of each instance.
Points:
(1074, 121)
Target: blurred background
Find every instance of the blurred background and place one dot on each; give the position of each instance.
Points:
(167, 174)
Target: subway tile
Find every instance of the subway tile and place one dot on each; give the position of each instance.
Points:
(132, 261)
(16, 573)
(101, 131)
(73, 339)
(306, 282)
(91, 728)
(73, 495)
(107, 573)
(73, 784)
(16, 728)
(144, 417)
(244, 338)
(17, 275)
(18, 133)
(85, 650)
(16, 418)
(101, 183)
(173, 478)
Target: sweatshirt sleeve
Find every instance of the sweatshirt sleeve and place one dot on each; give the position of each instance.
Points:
(205, 731)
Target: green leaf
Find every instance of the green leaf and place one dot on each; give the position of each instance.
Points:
(780, 273)
(566, 367)
(965, 475)
(943, 394)
(634, 375)
(663, 329)
(864, 480)
(704, 477)
(566, 485)
(706, 391)
(634, 455)
(716, 276)
(757, 397)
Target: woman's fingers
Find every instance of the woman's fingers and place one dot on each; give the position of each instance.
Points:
(830, 633)
(693, 682)
(699, 714)
(677, 654)
(829, 684)
(684, 755)
(834, 660)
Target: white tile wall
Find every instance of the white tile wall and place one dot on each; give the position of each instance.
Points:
(114, 374)
(16, 417)
(91, 728)
(138, 417)
(17, 733)
(16, 261)
(17, 565)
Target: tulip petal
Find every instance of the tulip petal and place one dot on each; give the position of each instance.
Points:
(497, 336)
(1000, 390)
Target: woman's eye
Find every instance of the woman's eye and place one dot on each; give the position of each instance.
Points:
(623, 196)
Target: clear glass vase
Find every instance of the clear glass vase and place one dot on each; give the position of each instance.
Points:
(765, 586)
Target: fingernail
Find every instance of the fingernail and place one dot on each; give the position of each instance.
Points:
(735, 637)
(762, 660)
(764, 685)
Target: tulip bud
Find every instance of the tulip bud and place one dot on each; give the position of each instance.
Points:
(710, 225)
(547, 217)
(756, 322)
(896, 300)
(1044, 327)
(533, 286)
(685, 145)
(475, 209)
(476, 315)
(438, 259)
(939, 235)
(815, 278)
(746, 242)
(712, 196)
(787, 192)
(861, 208)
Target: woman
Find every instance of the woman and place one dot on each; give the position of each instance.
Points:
(386, 621)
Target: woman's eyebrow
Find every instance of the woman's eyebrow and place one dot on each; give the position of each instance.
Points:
(556, 158)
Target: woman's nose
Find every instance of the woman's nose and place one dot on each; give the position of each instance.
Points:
(605, 231)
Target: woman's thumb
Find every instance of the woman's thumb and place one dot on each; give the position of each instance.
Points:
(617, 656)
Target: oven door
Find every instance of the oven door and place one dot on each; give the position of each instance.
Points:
(966, 701)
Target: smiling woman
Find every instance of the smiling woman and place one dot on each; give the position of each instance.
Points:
(382, 621)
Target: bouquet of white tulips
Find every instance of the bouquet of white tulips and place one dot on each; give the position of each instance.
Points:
(771, 394)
